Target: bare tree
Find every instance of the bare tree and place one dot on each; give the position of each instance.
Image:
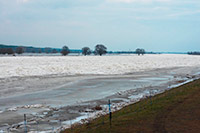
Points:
(140, 51)
(100, 49)
(86, 51)
(65, 51)
(3, 50)
(9, 51)
(19, 50)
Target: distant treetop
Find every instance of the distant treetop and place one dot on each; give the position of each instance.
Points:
(140, 51)
(65, 51)
(86, 51)
(100, 49)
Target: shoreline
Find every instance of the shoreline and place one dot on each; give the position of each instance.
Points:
(84, 119)
(176, 110)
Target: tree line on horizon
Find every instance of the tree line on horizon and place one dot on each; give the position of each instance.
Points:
(100, 49)
(7, 49)
(194, 53)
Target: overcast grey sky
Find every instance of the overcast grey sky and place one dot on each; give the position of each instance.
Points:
(155, 25)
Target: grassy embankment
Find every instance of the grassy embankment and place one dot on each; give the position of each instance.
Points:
(177, 110)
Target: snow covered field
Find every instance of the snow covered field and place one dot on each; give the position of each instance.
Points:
(72, 65)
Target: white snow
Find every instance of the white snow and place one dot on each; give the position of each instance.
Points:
(45, 65)
(33, 106)
(12, 109)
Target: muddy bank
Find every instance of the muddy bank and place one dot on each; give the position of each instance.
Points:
(53, 101)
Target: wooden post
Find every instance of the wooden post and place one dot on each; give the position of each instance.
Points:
(25, 128)
(110, 113)
(37, 126)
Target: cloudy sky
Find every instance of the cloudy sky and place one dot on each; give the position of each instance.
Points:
(155, 25)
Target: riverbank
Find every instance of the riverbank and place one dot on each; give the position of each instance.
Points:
(176, 110)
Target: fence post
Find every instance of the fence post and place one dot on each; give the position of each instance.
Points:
(110, 113)
(37, 126)
(25, 128)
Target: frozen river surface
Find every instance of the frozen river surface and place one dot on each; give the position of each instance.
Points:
(74, 65)
(52, 90)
